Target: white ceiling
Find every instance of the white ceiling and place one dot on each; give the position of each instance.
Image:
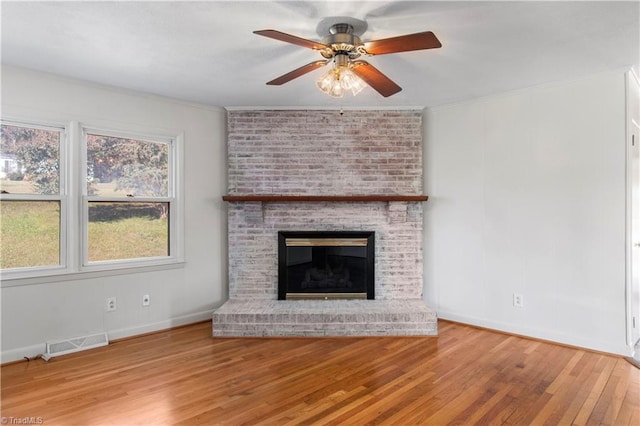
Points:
(206, 52)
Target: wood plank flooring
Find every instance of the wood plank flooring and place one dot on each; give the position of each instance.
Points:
(464, 376)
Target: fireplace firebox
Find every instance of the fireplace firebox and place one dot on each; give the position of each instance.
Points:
(326, 265)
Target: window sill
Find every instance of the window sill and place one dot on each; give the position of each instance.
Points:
(64, 275)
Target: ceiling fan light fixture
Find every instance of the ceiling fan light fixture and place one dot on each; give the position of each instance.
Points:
(340, 78)
(345, 47)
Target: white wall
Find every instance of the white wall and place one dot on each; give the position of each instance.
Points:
(33, 314)
(527, 195)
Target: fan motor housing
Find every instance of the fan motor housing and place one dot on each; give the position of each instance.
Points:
(342, 40)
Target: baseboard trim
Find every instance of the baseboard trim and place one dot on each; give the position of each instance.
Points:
(633, 362)
(159, 326)
(552, 337)
(27, 352)
(22, 354)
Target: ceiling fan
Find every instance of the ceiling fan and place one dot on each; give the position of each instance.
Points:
(344, 48)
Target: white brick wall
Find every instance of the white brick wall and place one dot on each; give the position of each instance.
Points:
(323, 153)
(253, 246)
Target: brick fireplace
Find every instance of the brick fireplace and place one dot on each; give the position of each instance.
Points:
(319, 171)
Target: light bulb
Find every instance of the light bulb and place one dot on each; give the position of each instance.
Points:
(352, 82)
(340, 78)
(324, 83)
(336, 88)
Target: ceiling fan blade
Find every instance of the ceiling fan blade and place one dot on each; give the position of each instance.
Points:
(297, 73)
(374, 78)
(288, 38)
(405, 43)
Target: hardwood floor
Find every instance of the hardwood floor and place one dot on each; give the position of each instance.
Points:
(463, 376)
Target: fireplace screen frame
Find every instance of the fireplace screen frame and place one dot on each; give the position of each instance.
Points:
(364, 239)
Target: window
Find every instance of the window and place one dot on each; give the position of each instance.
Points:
(32, 200)
(108, 203)
(128, 197)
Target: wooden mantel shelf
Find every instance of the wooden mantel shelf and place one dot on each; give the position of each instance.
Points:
(321, 198)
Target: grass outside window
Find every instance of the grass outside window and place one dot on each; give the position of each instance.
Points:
(29, 234)
(127, 230)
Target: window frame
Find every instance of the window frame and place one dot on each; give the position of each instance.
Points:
(74, 205)
(170, 198)
(61, 197)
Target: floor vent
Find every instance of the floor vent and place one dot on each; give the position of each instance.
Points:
(63, 347)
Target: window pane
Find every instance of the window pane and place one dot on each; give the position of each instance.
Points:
(118, 167)
(29, 160)
(128, 230)
(29, 233)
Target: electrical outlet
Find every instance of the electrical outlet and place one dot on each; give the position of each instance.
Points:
(518, 300)
(146, 300)
(111, 304)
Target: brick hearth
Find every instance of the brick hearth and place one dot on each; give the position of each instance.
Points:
(324, 318)
(323, 153)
